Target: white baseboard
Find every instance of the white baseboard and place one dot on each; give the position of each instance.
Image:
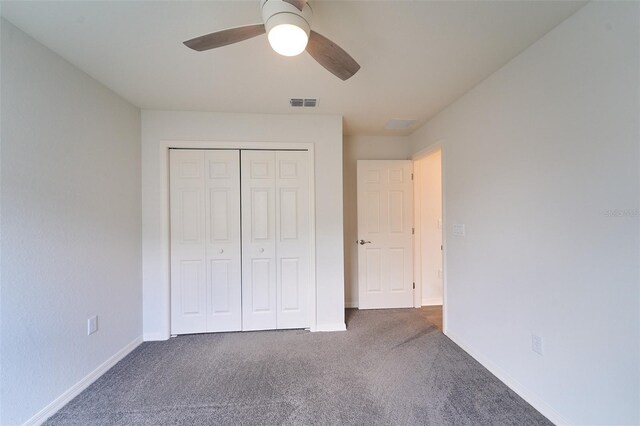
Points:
(48, 411)
(331, 327)
(351, 305)
(532, 398)
(154, 337)
(432, 301)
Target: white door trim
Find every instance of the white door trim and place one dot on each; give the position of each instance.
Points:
(416, 188)
(165, 145)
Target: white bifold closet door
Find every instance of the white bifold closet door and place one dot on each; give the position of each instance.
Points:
(205, 241)
(240, 240)
(275, 239)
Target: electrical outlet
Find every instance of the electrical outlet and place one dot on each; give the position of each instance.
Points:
(459, 230)
(537, 344)
(92, 325)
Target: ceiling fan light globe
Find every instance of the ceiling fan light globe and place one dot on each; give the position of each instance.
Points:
(288, 39)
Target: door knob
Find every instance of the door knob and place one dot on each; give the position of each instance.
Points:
(363, 242)
(261, 250)
(221, 251)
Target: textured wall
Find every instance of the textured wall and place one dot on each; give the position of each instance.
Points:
(429, 171)
(535, 159)
(71, 225)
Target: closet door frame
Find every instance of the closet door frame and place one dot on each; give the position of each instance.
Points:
(165, 146)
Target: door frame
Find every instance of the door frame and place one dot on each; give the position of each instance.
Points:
(165, 249)
(417, 244)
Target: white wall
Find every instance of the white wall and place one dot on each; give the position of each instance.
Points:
(534, 157)
(429, 172)
(362, 148)
(71, 225)
(325, 132)
(2, 386)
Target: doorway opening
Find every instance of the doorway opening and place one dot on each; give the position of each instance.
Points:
(429, 268)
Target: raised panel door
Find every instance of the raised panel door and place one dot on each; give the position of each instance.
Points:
(292, 238)
(188, 260)
(223, 245)
(385, 222)
(259, 303)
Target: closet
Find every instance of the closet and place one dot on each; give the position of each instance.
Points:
(240, 240)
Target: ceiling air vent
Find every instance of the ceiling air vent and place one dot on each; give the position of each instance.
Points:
(304, 102)
(296, 102)
(400, 124)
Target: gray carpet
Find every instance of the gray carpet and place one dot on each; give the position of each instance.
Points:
(391, 367)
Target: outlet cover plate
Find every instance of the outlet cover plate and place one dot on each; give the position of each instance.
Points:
(459, 230)
(92, 325)
(537, 344)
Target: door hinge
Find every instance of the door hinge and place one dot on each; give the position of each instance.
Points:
(441, 248)
(414, 286)
(413, 231)
(411, 176)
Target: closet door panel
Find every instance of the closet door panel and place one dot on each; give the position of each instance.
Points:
(188, 261)
(259, 306)
(223, 245)
(292, 239)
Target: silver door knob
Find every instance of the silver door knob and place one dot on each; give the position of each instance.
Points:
(221, 251)
(363, 242)
(261, 250)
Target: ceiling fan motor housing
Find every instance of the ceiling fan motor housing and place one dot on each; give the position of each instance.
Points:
(278, 12)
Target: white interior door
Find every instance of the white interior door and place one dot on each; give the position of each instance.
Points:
(240, 240)
(293, 238)
(259, 300)
(205, 241)
(385, 222)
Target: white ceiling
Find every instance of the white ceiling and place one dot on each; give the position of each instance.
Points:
(416, 56)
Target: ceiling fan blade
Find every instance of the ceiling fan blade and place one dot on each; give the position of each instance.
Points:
(331, 56)
(224, 37)
(297, 3)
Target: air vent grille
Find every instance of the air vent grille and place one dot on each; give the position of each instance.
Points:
(296, 102)
(303, 102)
(400, 124)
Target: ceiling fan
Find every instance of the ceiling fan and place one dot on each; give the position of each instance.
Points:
(288, 27)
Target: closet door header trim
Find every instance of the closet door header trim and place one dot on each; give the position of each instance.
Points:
(242, 149)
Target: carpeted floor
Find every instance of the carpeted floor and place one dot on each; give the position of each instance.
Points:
(390, 368)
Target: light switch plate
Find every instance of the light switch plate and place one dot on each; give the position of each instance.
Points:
(92, 325)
